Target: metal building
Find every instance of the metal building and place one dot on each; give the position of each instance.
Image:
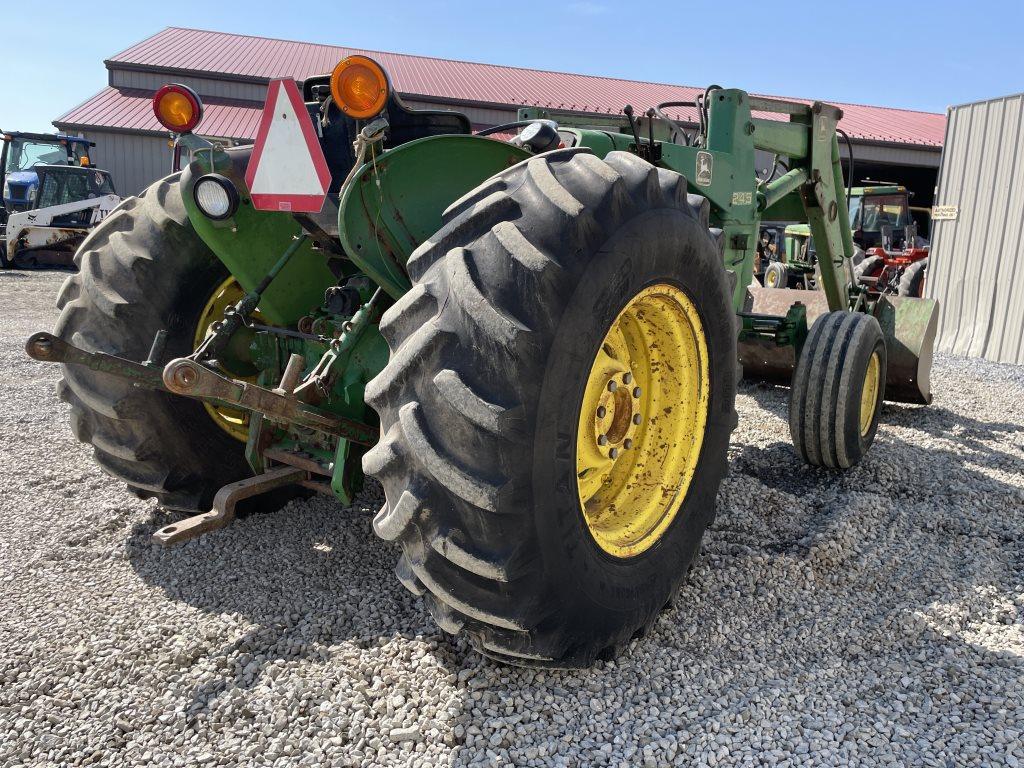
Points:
(977, 255)
(231, 73)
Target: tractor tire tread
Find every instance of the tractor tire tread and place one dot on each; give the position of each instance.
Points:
(115, 304)
(912, 280)
(826, 386)
(468, 546)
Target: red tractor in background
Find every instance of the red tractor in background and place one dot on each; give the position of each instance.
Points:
(895, 260)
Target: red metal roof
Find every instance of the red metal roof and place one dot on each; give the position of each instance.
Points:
(131, 109)
(259, 59)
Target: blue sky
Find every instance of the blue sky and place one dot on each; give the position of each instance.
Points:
(924, 55)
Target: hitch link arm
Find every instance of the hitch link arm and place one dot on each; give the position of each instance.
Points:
(187, 377)
(48, 348)
(224, 503)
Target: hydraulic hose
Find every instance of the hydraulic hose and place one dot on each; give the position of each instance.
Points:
(659, 111)
(704, 109)
(849, 176)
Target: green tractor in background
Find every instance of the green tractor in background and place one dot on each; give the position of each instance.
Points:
(796, 266)
(533, 344)
(889, 255)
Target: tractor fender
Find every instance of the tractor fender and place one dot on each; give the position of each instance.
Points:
(396, 201)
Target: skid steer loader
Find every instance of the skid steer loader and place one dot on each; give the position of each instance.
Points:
(52, 197)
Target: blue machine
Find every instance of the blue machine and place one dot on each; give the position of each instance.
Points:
(51, 195)
(23, 151)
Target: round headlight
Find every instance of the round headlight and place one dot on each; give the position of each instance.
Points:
(216, 196)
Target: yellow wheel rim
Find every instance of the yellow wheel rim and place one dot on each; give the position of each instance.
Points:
(869, 394)
(772, 279)
(642, 422)
(234, 421)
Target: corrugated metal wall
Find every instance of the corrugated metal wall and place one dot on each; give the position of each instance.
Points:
(204, 86)
(976, 270)
(134, 160)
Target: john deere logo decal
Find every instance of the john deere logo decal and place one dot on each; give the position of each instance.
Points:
(705, 161)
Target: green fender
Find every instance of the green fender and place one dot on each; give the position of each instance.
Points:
(396, 200)
(252, 241)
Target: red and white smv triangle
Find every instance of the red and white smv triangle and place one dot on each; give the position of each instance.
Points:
(287, 170)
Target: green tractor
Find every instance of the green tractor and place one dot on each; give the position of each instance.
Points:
(796, 268)
(883, 227)
(532, 344)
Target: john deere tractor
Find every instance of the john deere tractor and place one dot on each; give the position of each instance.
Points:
(533, 344)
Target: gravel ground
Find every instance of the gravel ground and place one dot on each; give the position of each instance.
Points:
(875, 617)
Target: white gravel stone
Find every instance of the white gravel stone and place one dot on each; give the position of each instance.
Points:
(870, 618)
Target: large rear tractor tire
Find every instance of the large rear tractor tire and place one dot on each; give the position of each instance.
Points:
(141, 270)
(837, 390)
(870, 266)
(912, 279)
(557, 406)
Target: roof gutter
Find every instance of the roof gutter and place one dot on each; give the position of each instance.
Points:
(62, 125)
(253, 80)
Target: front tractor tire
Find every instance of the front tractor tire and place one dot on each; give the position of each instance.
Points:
(837, 390)
(556, 410)
(141, 270)
(913, 278)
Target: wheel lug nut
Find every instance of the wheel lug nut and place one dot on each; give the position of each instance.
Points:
(601, 411)
(627, 378)
(602, 440)
(627, 443)
(614, 453)
(637, 418)
(612, 386)
(636, 392)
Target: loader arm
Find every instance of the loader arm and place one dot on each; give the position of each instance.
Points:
(722, 170)
(721, 167)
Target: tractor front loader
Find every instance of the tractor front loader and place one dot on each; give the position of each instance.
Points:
(533, 344)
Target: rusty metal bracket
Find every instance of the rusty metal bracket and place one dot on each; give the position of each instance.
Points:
(223, 512)
(48, 348)
(185, 376)
(188, 378)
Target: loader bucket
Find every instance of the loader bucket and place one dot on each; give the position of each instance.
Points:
(908, 326)
(762, 359)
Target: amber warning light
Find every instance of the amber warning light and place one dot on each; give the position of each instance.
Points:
(359, 87)
(178, 108)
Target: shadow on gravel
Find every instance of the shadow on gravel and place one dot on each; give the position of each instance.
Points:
(974, 434)
(312, 576)
(933, 490)
(305, 578)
